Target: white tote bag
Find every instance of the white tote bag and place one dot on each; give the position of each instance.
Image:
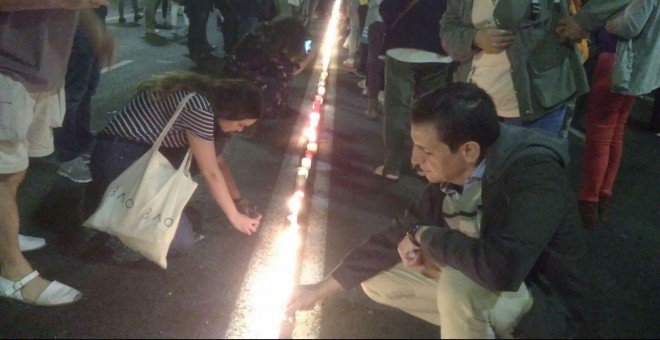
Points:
(142, 206)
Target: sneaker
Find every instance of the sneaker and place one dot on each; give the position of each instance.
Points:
(75, 170)
(29, 243)
(350, 63)
(589, 213)
(362, 84)
(86, 158)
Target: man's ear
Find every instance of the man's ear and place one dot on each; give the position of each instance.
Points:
(471, 152)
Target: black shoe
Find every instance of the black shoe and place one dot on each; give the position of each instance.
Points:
(589, 213)
(122, 20)
(137, 17)
(164, 26)
(603, 208)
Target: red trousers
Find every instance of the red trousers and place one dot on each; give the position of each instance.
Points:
(606, 119)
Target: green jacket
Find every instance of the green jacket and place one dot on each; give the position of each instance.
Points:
(545, 73)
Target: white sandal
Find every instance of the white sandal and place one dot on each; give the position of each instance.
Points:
(55, 294)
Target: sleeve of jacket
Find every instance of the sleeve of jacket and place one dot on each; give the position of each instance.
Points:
(379, 251)
(455, 36)
(595, 13)
(630, 22)
(531, 206)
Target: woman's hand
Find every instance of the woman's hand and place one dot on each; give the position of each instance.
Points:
(244, 223)
(246, 207)
(492, 40)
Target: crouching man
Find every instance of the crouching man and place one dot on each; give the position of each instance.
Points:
(493, 247)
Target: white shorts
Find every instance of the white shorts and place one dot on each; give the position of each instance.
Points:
(26, 123)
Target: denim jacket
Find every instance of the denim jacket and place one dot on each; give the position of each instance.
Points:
(545, 73)
(637, 68)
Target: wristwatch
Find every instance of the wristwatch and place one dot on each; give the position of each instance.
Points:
(411, 234)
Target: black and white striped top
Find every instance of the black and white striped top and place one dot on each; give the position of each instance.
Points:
(143, 119)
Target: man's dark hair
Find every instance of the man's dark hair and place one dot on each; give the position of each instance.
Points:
(460, 112)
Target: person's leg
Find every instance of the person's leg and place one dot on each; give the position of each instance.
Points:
(399, 88)
(184, 238)
(164, 7)
(406, 289)
(568, 118)
(20, 139)
(470, 311)
(616, 147)
(551, 122)
(136, 10)
(150, 15)
(120, 9)
(375, 67)
(655, 115)
(602, 112)
(195, 32)
(74, 135)
(354, 36)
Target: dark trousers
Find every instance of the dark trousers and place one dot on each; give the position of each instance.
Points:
(375, 66)
(229, 25)
(82, 79)
(361, 66)
(198, 14)
(655, 115)
(403, 82)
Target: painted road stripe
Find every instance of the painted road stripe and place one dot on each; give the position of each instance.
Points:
(115, 66)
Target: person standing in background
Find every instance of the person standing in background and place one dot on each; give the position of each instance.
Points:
(620, 76)
(33, 64)
(510, 49)
(73, 141)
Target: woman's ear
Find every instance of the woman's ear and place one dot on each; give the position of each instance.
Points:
(471, 152)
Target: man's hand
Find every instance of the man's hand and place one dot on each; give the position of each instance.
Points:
(411, 255)
(492, 40)
(304, 297)
(568, 30)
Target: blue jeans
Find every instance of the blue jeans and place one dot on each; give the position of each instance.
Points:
(110, 157)
(82, 79)
(552, 122)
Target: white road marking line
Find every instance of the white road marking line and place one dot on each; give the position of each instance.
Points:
(308, 324)
(115, 66)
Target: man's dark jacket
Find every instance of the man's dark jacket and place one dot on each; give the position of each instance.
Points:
(530, 231)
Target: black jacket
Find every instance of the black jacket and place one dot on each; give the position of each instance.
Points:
(530, 230)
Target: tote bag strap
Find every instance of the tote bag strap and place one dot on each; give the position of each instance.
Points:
(167, 127)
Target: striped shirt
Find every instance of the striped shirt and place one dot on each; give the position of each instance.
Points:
(142, 119)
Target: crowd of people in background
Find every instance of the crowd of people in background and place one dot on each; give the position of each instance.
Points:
(474, 96)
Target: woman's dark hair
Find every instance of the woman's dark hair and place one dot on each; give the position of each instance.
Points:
(460, 112)
(231, 99)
